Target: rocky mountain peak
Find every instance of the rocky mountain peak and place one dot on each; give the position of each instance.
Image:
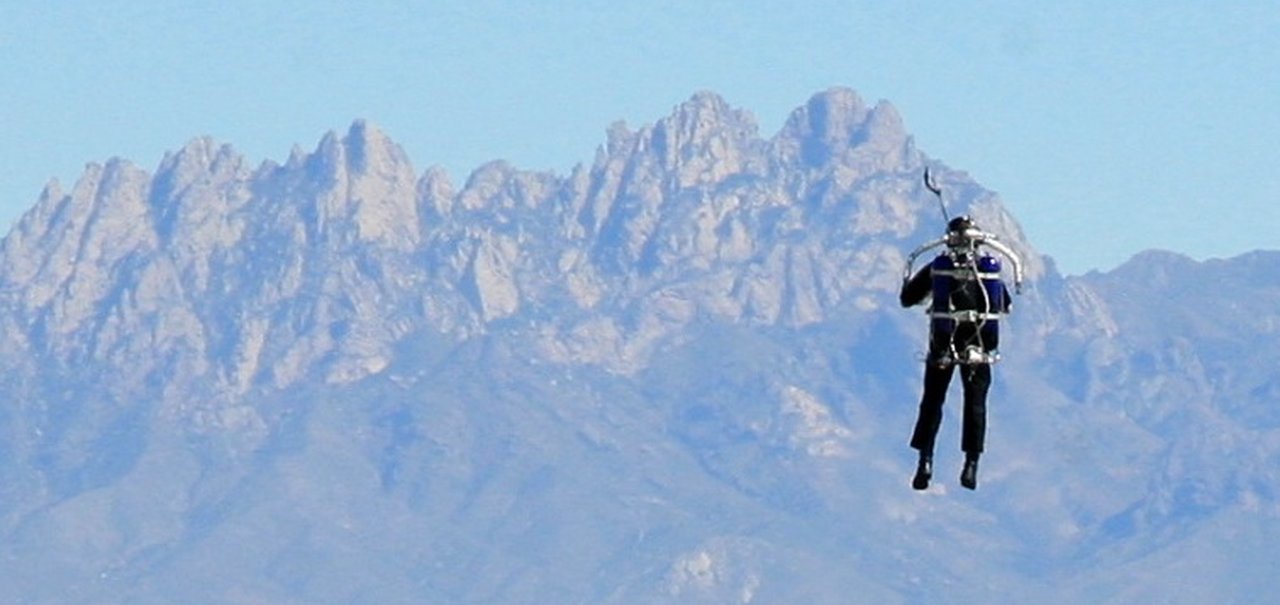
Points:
(370, 150)
(194, 192)
(837, 128)
(435, 194)
(706, 114)
(702, 141)
(363, 149)
(359, 187)
(199, 156)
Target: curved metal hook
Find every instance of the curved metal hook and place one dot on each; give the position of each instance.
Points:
(931, 185)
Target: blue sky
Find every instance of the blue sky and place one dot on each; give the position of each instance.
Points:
(1107, 128)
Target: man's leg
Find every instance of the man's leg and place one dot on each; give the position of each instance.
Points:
(936, 379)
(977, 381)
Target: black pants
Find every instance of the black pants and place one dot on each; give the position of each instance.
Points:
(976, 380)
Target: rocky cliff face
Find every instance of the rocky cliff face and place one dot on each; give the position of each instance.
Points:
(677, 374)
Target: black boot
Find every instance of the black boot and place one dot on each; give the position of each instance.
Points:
(969, 476)
(924, 472)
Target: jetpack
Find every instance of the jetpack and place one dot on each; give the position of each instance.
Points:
(968, 294)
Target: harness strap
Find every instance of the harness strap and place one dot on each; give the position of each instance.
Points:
(969, 316)
(966, 274)
(971, 356)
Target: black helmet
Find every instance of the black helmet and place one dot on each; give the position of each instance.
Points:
(960, 224)
(959, 231)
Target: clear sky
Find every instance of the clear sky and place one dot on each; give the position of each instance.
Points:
(1107, 127)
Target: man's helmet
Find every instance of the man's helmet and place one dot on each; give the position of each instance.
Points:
(960, 224)
(958, 231)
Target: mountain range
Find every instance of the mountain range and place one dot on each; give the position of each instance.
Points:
(678, 374)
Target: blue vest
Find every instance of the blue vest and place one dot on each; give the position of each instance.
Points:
(961, 295)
